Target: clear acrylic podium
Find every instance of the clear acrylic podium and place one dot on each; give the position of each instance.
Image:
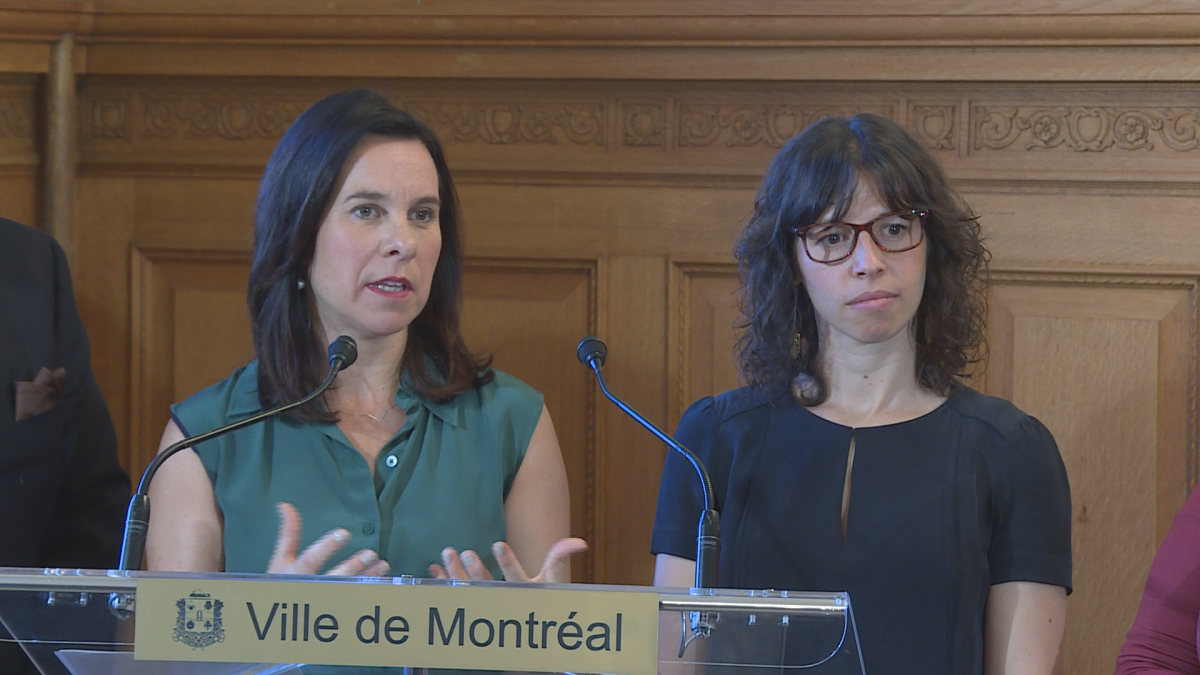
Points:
(64, 622)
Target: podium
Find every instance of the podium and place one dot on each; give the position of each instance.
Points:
(83, 622)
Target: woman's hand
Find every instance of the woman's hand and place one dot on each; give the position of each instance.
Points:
(285, 561)
(468, 565)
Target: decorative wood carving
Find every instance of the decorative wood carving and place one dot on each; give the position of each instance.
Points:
(510, 123)
(1085, 128)
(934, 126)
(745, 125)
(16, 117)
(147, 123)
(127, 123)
(110, 119)
(206, 117)
(642, 124)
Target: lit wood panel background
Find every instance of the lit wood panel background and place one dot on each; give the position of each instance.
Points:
(607, 154)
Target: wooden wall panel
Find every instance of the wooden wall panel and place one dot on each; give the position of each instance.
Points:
(632, 307)
(1108, 363)
(529, 315)
(1090, 225)
(104, 228)
(211, 331)
(702, 333)
(18, 198)
(190, 329)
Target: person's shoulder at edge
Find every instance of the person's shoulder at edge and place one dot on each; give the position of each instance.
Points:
(509, 399)
(11, 230)
(233, 397)
(503, 394)
(1006, 419)
(27, 248)
(734, 404)
(505, 383)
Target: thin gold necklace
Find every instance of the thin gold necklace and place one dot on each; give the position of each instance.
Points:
(378, 420)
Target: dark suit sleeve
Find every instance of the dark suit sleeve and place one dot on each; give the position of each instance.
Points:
(87, 522)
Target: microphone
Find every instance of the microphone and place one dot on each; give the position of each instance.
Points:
(592, 349)
(342, 353)
(592, 353)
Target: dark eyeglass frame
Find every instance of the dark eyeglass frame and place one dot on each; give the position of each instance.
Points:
(921, 215)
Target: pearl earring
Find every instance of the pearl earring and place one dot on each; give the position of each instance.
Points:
(300, 284)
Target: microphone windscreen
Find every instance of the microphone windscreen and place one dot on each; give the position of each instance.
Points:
(343, 349)
(591, 348)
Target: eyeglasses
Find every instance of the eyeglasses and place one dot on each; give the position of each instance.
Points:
(834, 241)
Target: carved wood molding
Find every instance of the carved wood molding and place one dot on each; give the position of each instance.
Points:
(1085, 128)
(202, 118)
(771, 125)
(16, 117)
(611, 23)
(148, 116)
(935, 126)
(618, 129)
(508, 123)
(18, 125)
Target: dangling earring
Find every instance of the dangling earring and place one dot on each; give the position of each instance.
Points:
(300, 284)
(795, 347)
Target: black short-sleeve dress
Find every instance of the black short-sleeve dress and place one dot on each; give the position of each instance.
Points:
(941, 508)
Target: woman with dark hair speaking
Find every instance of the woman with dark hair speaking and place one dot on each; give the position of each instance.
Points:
(419, 450)
(856, 459)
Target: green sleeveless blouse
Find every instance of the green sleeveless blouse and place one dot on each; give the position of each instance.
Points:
(440, 481)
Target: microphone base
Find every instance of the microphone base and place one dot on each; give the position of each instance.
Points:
(122, 605)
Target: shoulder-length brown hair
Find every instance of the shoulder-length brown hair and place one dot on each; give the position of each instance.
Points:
(295, 193)
(814, 172)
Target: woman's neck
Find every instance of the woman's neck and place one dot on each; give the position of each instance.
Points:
(872, 384)
(370, 383)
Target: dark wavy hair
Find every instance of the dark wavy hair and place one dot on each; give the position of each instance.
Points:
(816, 171)
(293, 199)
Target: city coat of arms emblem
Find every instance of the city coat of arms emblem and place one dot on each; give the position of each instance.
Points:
(198, 624)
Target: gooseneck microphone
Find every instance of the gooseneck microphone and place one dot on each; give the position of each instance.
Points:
(592, 353)
(342, 352)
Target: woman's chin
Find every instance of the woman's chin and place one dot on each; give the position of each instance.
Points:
(877, 334)
(378, 331)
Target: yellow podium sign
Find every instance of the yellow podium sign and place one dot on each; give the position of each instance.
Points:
(472, 627)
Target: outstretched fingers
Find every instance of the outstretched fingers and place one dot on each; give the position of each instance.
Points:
(466, 565)
(476, 570)
(288, 539)
(319, 552)
(365, 563)
(557, 568)
(513, 571)
(284, 559)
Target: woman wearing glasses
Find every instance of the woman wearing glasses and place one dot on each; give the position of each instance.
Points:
(856, 459)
